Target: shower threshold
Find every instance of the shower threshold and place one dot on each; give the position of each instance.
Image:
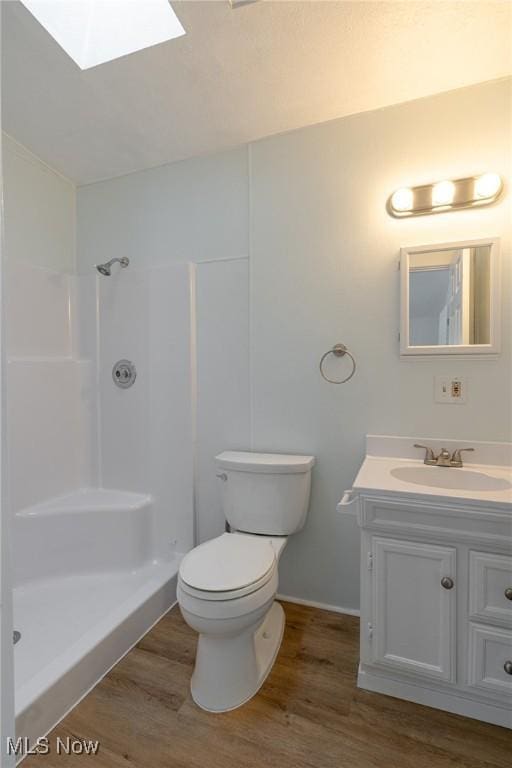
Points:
(74, 629)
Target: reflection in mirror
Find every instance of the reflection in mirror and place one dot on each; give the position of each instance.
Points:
(450, 297)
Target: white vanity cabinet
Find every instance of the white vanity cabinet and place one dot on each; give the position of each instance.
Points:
(412, 629)
(436, 603)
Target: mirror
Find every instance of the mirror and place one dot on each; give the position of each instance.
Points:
(450, 298)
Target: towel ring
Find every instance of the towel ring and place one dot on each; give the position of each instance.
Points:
(339, 350)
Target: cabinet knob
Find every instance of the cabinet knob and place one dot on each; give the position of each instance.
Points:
(508, 667)
(508, 593)
(446, 582)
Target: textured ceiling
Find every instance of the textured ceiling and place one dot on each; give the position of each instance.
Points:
(239, 75)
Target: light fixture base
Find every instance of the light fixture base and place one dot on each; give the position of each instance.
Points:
(444, 196)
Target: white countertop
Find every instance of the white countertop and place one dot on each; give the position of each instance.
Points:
(378, 474)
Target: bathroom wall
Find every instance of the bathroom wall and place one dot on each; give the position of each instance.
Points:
(145, 436)
(46, 383)
(183, 325)
(68, 426)
(324, 269)
(191, 211)
(181, 313)
(308, 207)
(223, 385)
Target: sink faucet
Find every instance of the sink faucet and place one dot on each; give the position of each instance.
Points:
(444, 457)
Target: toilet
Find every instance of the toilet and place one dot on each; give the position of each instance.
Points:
(227, 586)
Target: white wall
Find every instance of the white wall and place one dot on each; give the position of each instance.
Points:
(185, 327)
(223, 423)
(323, 269)
(309, 208)
(171, 391)
(180, 313)
(145, 436)
(48, 397)
(39, 211)
(69, 427)
(191, 211)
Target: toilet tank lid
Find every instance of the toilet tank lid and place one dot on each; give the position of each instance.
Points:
(272, 463)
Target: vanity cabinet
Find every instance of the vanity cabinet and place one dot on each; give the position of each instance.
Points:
(436, 603)
(413, 619)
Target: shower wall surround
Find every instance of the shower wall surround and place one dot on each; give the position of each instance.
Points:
(145, 433)
(308, 210)
(69, 427)
(47, 383)
(100, 480)
(159, 222)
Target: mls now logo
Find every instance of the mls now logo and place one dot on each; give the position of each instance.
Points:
(21, 747)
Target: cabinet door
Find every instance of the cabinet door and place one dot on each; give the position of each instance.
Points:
(413, 613)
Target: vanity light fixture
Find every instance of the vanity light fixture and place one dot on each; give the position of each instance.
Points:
(487, 185)
(443, 193)
(443, 196)
(402, 199)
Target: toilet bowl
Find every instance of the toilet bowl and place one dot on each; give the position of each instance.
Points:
(226, 593)
(227, 586)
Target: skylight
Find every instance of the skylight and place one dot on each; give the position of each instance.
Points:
(95, 31)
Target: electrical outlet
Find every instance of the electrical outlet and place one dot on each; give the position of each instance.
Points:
(450, 389)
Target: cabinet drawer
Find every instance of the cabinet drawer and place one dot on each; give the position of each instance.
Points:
(490, 587)
(490, 649)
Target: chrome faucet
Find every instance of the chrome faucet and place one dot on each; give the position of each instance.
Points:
(444, 457)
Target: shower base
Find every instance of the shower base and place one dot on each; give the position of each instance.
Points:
(74, 630)
(83, 600)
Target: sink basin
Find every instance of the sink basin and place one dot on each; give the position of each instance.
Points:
(449, 477)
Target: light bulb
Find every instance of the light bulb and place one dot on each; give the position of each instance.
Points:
(402, 199)
(443, 193)
(487, 185)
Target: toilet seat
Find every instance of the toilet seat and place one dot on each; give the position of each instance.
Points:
(228, 567)
(214, 606)
(231, 595)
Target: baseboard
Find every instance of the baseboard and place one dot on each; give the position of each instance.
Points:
(322, 606)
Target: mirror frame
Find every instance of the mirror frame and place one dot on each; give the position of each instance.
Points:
(442, 350)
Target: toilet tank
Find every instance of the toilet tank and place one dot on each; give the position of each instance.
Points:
(265, 493)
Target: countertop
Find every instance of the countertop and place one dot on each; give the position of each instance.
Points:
(378, 475)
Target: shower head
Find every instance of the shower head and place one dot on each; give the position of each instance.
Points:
(106, 269)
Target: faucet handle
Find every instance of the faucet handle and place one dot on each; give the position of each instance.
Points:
(456, 455)
(429, 453)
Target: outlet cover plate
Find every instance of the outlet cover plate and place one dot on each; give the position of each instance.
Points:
(450, 390)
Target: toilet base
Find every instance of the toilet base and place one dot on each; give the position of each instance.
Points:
(230, 670)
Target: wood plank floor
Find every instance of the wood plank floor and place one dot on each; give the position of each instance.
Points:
(309, 713)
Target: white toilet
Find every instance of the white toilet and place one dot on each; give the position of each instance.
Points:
(227, 586)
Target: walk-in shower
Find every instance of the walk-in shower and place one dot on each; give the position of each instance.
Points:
(106, 269)
(101, 476)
